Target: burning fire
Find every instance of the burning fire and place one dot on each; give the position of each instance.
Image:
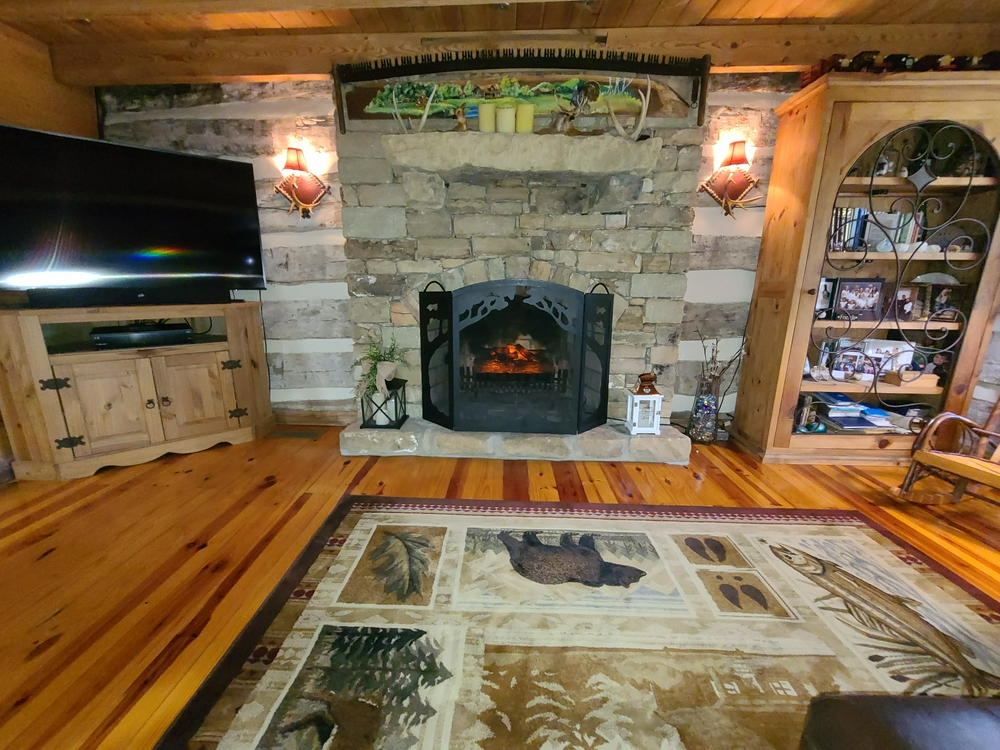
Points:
(514, 358)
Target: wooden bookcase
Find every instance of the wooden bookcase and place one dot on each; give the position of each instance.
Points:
(72, 410)
(826, 134)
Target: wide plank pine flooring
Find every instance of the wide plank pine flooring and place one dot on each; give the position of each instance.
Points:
(120, 592)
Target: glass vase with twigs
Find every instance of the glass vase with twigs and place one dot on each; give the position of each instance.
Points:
(703, 422)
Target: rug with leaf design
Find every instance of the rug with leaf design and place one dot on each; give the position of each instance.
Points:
(488, 627)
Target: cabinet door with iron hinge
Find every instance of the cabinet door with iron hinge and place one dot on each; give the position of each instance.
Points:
(195, 394)
(109, 406)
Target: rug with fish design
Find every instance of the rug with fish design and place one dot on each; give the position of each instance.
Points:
(482, 626)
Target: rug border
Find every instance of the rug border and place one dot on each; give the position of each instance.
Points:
(208, 693)
(755, 512)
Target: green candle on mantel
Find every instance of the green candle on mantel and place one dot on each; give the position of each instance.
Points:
(525, 118)
(488, 117)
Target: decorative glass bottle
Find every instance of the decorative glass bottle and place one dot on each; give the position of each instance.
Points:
(704, 411)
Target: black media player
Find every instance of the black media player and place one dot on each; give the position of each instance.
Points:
(141, 335)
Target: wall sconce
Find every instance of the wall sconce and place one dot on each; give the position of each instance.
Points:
(731, 182)
(302, 188)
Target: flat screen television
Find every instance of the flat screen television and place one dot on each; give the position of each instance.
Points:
(87, 223)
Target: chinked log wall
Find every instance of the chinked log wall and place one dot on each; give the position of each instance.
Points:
(314, 288)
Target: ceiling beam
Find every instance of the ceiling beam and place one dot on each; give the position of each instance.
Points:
(289, 56)
(47, 10)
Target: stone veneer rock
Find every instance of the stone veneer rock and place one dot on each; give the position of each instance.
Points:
(607, 443)
(462, 208)
(449, 153)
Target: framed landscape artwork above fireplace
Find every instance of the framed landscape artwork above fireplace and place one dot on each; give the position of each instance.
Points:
(515, 356)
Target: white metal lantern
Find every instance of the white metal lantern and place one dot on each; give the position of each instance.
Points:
(644, 406)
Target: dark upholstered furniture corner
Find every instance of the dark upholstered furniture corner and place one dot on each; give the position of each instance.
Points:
(897, 722)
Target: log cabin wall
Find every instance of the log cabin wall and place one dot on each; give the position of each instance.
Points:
(309, 335)
(311, 339)
(311, 281)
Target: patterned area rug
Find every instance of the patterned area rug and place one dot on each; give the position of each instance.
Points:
(487, 627)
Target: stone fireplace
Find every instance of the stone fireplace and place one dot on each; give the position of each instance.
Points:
(518, 231)
(518, 355)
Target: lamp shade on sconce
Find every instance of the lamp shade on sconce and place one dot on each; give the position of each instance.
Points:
(302, 188)
(736, 156)
(295, 160)
(731, 182)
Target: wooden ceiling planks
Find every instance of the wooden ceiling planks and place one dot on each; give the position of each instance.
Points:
(530, 16)
(14, 10)
(584, 14)
(612, 14)
(127, 23)
(430, 16)
(558, 15)
(343, 21)
(758, 46)
(726, 10)
(640, 12)
(668, 13)
(369, 20)
(695, 12)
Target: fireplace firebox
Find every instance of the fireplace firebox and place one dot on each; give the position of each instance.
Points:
(515, 356)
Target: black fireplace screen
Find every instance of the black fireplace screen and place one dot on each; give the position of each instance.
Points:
(515, 356)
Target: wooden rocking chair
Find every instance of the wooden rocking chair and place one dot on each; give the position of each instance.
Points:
(971, 461)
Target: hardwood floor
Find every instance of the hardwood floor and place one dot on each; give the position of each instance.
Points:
(120, 592)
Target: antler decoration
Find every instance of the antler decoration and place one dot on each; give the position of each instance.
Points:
(644, 97)
(731, 194)
(398, 117)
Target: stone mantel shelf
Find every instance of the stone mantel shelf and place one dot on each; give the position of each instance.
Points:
(521, 153)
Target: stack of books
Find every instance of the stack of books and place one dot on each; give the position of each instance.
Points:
(842, 414)
(855, 228)
(848, 229)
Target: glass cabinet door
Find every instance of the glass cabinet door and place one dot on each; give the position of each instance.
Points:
(911, 227)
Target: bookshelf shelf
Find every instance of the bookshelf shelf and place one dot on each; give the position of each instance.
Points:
(884, 389)
(873, 255)
(899, 186)
(890, 325)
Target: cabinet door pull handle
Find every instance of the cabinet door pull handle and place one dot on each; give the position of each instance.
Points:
(150, 403)
(165, 401)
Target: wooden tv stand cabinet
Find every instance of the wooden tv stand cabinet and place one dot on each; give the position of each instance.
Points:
(69, 414)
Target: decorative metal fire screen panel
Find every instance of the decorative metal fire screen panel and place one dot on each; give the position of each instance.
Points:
(515, 356)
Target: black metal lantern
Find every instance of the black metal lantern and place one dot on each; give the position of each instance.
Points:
(387, 414)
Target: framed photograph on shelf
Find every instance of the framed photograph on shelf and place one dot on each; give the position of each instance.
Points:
(824, 297)
(889, 356)
(848, 365)
(943, 302)
(908, 303)
(858, 299)
(938, 363)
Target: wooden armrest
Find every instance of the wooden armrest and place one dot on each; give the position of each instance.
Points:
(947, 418)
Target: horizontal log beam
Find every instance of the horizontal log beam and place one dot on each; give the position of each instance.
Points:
(47, 10)
(760, 47)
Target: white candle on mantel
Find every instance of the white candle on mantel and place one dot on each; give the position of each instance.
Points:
(487, 117)
(506, 117)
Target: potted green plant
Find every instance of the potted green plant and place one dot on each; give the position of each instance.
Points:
(383, 398)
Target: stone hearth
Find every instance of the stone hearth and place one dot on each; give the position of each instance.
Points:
(610, 442)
